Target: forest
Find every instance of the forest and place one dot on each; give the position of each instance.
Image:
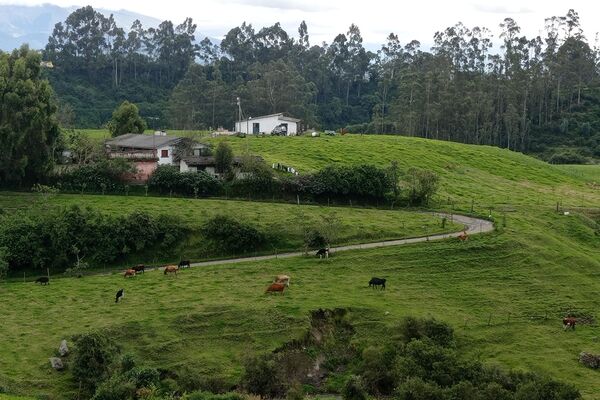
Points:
(538, 95)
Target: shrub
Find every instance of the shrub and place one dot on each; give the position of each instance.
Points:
(417, 389)
(223, 158)
(58, 238)
(353, 389)
(567, 157)
(126, 119)
(261, 377)
(377, 370)
(168, 179)
(105, 175)
(439, 332)
(422, 185)
(231, 236)
(202, 395)
(93, 360)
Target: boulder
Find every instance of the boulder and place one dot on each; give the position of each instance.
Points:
(590, 360)
(56, 363)
(63, 349)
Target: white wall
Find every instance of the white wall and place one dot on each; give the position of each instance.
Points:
(165, 160)
(266, 125)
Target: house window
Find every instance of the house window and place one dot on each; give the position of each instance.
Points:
(164, 153)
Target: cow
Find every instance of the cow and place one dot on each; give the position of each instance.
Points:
(283, 279)
(120, 295)
(276, 287)
(184, 263)
(139, 268)
(463, 236)
(171, 269)
(569, 323)
(43, 280)
(129, 272)
(374, 282)
(324, 252)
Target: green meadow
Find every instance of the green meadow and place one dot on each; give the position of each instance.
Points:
(504, 292)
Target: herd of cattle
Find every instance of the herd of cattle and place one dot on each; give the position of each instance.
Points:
(280, 283)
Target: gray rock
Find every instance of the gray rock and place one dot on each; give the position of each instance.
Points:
(56, 363)
(63, 349)
(590, 360)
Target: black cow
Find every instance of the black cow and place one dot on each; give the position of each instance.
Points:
(323, 252)
(374, 282)
(139, 268)
(43, 280)
(120, 294)
(184, 263)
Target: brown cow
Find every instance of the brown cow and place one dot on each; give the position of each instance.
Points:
(276, 287)
(283, 279)
(463, 236)
(171, 269)
(129, 272)
(569, 323)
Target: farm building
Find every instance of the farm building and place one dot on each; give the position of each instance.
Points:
(274, 123)
(148, 151)
(207, 164)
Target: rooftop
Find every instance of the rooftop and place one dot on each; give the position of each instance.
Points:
(280, 116)
(141, 141)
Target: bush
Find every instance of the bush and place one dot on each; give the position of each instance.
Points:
(422, 185)
(105, 175)
(438, 332)
(168, 179)
(201, 395)
(353, 389)
(261, 377)
(568, 157)
(231, 236)
(57, 239)
(417, 389)
(126, 119)
(93, 360)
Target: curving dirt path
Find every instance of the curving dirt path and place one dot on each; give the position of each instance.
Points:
(472, 226)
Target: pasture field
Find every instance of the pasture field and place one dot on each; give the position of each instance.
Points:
(505, 292)
(357, 225)
(590, 173)
(101, 134)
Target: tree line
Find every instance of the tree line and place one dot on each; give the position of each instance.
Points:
(533, 94)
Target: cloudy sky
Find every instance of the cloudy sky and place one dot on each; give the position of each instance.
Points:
(376, 18)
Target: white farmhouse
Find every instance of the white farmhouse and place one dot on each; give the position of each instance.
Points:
(277, 123)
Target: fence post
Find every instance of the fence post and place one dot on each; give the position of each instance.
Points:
(298, 199)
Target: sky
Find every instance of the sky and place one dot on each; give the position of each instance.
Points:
(376, 18)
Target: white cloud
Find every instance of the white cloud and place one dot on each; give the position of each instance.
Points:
(376, 18)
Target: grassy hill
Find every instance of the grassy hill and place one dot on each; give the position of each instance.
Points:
(505, 292)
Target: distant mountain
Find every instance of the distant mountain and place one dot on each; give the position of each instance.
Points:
(34, 24)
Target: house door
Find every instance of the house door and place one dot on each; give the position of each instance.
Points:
(255, 127)
(285, 129)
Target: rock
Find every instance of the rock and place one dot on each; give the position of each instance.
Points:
(590, 360)
(56, 363)
(63, 349)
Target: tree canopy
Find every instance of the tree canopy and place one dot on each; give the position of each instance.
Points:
(126, 119)
(28, 128)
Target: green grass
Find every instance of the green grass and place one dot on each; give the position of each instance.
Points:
(505, 292)
(101, 134)
(590, 173)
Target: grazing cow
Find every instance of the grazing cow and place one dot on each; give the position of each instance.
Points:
(120, 295)
(171, 269)
(283, 279)
(276, 287)
(463, 236)
(569, 323)
(43, 280)
(184, 263)
(139, 268)
(324, 252)
(374, 282)
(129, 272)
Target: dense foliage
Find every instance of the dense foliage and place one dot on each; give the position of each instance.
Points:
(231, 236)
(167, 179)
(422, 362)
(58, 238)
(101, 176)
(28, 129)
(535, 94)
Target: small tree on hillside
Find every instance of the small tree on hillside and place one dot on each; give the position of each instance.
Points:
(126, 119)
(422, 185)
(223, 158)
